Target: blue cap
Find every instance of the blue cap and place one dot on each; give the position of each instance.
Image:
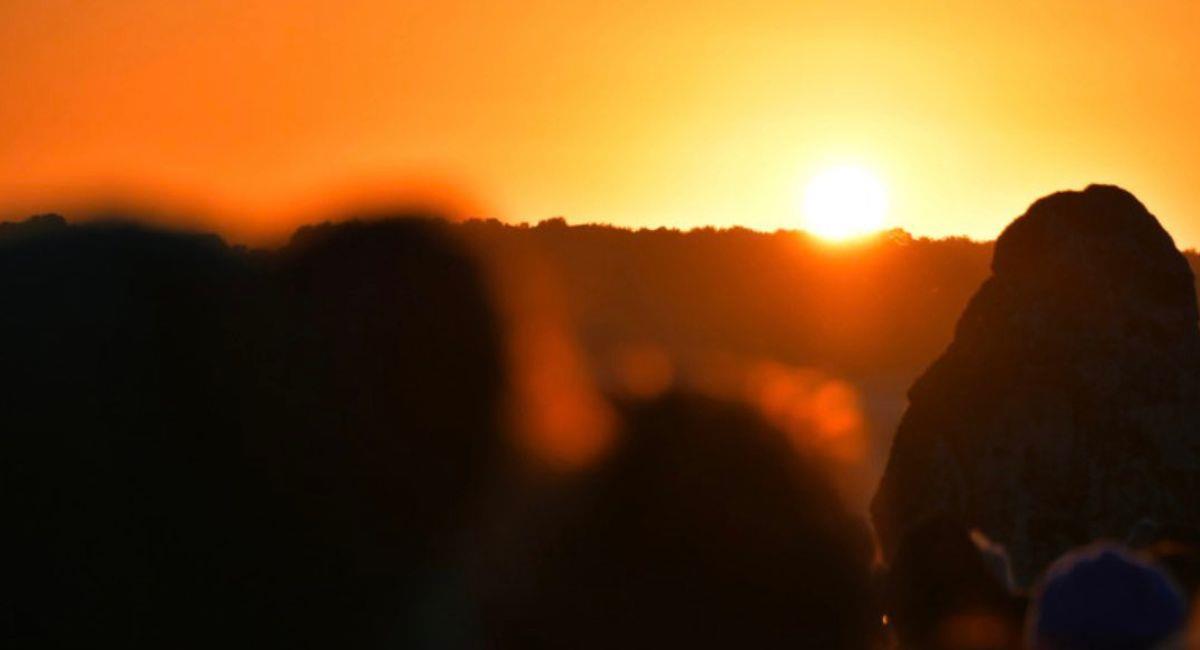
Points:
(1103, 597)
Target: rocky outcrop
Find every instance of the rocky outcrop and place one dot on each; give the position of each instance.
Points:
(1067, 408)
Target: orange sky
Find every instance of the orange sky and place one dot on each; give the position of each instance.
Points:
(636, 113)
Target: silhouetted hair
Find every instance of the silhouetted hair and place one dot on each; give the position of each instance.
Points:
(389, 399)
(704, 528)
(209, 447)
(397, 320)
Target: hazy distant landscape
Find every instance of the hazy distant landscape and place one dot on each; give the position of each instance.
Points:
(874, 313)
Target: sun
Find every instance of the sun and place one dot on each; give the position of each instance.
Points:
(844, 202)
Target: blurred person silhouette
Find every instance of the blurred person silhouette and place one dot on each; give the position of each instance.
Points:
(702, 527)
(1103, 597)
(944, 591)
(389, 401)
(209, 447)
(136, 510)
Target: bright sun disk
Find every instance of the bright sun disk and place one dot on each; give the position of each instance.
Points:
(844, 202)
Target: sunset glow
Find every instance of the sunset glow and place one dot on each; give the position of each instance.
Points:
(651, 114)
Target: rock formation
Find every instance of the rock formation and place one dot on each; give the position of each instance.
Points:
(1067, 408)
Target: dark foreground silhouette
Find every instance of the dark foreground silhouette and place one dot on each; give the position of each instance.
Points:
(213, 447)
(1067, 408)
(703, 528)
(941, 592)
(312, 447)
(208, 447)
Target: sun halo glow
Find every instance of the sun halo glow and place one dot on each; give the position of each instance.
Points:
(843, 203)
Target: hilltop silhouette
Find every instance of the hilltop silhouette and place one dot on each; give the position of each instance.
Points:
(886, 304)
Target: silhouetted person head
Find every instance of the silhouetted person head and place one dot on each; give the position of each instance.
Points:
(704, 527)
(208, 447)
(942, 593)
(1104, 598)
(391, 403)
(122, 383)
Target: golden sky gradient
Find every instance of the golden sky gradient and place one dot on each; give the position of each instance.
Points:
(638, 113)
